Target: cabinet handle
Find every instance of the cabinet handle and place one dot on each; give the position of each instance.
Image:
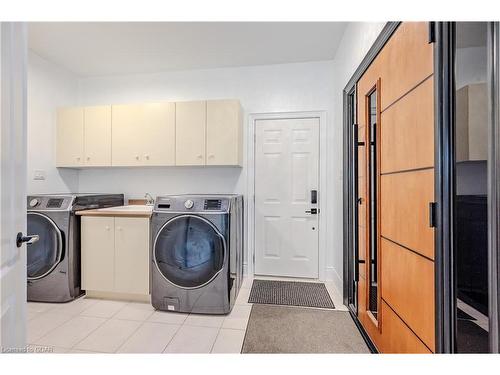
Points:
(211, 156)
(200, 156)
(147, 157)
(108, 228)
(78, 158)
(88, 158)
(119, 228)
(136, 157)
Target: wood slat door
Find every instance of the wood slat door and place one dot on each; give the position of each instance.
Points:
(402, 74)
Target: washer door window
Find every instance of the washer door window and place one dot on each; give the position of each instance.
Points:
(45, 254)
(189, 251)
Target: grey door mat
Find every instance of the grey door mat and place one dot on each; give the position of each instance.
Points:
(292, 293)
(283, 329)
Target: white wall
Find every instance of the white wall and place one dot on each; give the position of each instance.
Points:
(49, 87)
(357, 40)
(261, 89)
(471, 66)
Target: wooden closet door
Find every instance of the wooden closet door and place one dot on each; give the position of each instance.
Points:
(405, 188)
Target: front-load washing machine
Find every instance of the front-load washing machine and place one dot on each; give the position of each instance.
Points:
(196, 253)
(53, 262)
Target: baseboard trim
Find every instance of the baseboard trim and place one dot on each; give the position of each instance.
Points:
(118, 296)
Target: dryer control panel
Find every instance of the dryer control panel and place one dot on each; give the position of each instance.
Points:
(49, 203)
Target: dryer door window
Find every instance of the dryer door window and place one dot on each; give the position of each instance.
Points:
(43, 256)
(189, 251)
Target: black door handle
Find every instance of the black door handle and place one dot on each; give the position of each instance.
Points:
(20, 239)
(312, 211)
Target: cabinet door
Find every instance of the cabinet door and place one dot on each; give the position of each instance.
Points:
(190, 130)
(127, 135)
(97, 133)
(224, 132)
(158, 134)
(98, 253)
(69, 144)
(132, 255)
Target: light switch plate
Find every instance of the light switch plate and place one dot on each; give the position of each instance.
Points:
(39, 174)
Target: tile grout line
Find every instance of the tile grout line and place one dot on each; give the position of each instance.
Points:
(92, 331)
(53, 329)
(216, 337)
(129, 336)
(171, 339)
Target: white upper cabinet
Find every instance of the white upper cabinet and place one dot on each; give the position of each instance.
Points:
(151, 134)
(224, 132)
(158, 135)
(190, 132)
(472, 123)
(143, 134)
(97, 136)
(70, 137)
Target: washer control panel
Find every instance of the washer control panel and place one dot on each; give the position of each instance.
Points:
(198, 204)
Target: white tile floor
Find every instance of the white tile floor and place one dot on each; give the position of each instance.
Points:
(101, 326)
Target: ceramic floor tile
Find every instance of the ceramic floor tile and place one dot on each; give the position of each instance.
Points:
(247, 283)
(150, 338)
(201, 320)
(191, 339)
(135, 311)
(44, 323)
(229, 341)
(168, 317)
(77, 351)
(71, 332)
(104, 309)
(39, 307)
(243, 295)
(32, 315)
(335, 296)
(109, 337)
(75, 307)
(238, 318)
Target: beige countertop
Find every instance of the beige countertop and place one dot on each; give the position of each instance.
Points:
(127, 211)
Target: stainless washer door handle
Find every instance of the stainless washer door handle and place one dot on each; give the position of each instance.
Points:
(26, 239)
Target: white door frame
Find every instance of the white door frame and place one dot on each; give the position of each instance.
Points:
(322, 196)
(13, 118)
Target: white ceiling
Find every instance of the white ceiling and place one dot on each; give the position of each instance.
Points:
(94, 49)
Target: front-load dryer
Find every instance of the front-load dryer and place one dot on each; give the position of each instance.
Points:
(196, 253)
(53, 262)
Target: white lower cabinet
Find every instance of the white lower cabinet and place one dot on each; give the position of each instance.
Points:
(115, 254)
(132, 255)
(98, 253)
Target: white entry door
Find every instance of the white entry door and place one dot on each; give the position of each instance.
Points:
(286, 197)
(13, 67)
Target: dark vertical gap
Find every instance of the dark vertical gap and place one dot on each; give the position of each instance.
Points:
(372, 194)
(444, 59)
(493, 182)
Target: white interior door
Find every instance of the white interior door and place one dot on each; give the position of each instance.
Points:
(286, 174)
(12, 186)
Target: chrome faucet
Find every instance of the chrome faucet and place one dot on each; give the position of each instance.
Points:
(149, 200)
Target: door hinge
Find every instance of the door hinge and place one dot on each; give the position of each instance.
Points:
(432, 214)
(432, 32)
